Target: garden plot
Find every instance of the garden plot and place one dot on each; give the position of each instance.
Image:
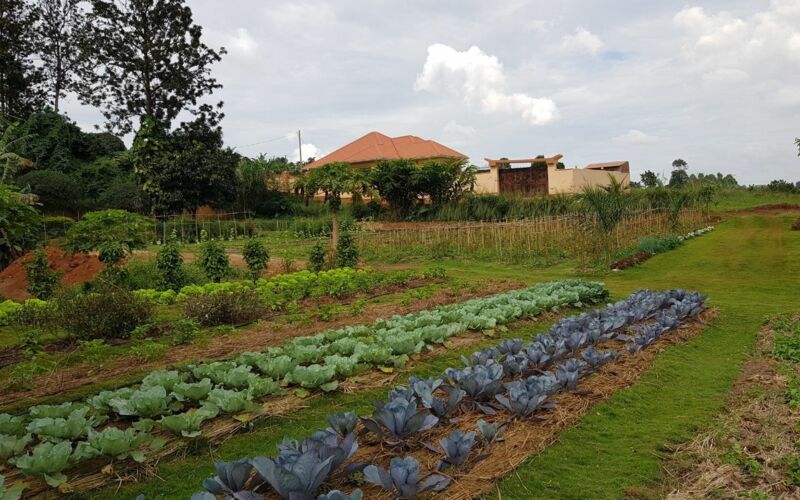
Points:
(179, 402)
(507, 387)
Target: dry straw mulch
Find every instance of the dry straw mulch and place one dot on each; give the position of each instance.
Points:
(757, 421)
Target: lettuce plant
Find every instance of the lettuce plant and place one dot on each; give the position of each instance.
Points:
(275, 366)
(11, 446)
(227, 401)
(14, 492)
(398, 419)
(258, 387)
(12, 425)
(118, 443)
(46, 461)
(188, 424)
(296, 480)
(59, 429)
(311, 376)
(402, 480)
(53, 411)
(192, 391)
(162, 378)
(101, 401)
(149, 402)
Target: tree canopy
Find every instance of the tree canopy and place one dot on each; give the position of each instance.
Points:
(146, 58)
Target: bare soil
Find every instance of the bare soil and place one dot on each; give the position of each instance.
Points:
(767, 209)
(74, 269)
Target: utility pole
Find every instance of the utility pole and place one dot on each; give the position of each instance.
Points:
(300, 147)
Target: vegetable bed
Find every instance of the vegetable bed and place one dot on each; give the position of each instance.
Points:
(509, 385)
(50, 439)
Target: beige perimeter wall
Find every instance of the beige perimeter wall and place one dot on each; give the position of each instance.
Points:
(573, 180)
(487, 182)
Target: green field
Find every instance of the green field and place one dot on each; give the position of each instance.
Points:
(750, 268)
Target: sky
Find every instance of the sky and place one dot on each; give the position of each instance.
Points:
(716, 83)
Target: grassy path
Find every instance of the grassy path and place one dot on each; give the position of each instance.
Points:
(749, 266)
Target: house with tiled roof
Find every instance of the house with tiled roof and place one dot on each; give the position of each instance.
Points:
(366, 151)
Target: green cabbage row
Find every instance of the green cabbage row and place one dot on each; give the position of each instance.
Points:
(180, 401)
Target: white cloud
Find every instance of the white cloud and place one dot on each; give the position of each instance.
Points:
(723, 47)
(457, 133)
(582, 41)
(241, 43)
(479, 79)
(634, 136)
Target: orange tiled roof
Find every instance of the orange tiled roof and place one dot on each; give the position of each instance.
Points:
(376, 146)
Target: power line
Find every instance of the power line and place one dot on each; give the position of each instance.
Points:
(260, 142)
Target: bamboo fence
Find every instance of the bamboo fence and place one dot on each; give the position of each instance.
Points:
(540, 238)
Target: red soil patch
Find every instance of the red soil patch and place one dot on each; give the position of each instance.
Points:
(74, 269)
(633, 260)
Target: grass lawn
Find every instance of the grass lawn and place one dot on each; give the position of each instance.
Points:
(749, 266)
(734, 199)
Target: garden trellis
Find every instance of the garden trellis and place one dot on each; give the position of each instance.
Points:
(217, 226)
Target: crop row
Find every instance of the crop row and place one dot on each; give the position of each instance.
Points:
(51, 438)
(513, 377)
(281, 289)
(275, 292)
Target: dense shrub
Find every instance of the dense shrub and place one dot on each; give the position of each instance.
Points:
(169, 264)
(316, 259)
(346, 251)
(231, 307)
(256, 256)
(41, 279)
(20, 225)
(214, 261)
(107, 311)
(113, 232)
(659, 245)
(56, 190)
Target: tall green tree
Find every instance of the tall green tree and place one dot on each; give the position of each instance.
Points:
(650, 179)
(19, 76)
(58, 25)
(147, 58)
(333, 180)
(680, 164)
(184, 169)
(396, 181)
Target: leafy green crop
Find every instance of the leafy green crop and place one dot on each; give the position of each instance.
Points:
(188, 424)
(46, 461)
(9, 492)
(148, 403)
(118, 443)
(185, 391)
(77, 424)
(11, 446)
(13, 425)
(311, 376)
(229, 401)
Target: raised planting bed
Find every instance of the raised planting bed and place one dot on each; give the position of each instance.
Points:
(652, 246)
(458, 433)
(173, 407)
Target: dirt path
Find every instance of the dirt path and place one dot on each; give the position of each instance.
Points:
(258, 338)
